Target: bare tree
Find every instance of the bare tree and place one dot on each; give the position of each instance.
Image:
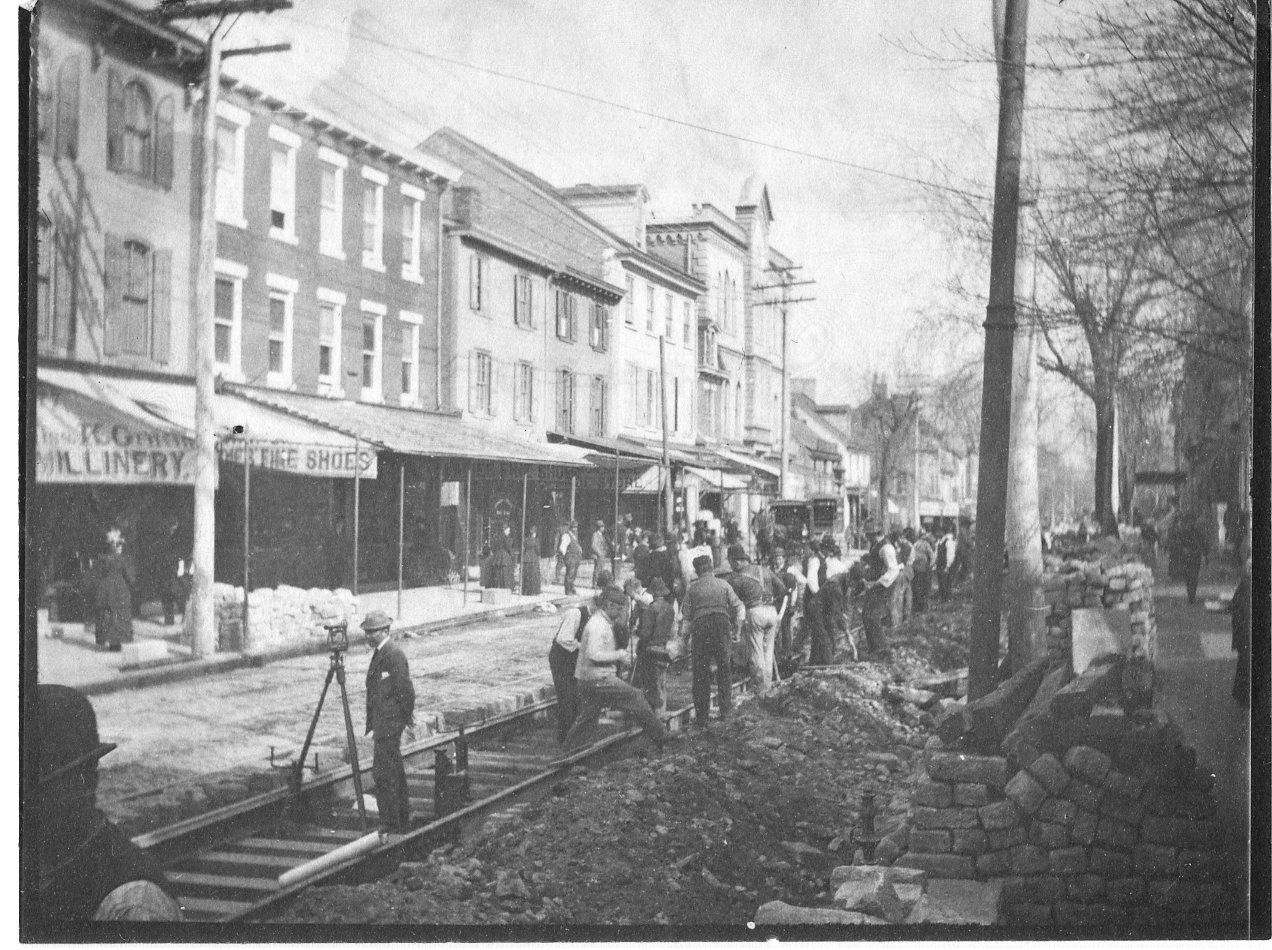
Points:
(889, 420)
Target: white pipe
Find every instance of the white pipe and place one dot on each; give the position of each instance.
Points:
(332, 858)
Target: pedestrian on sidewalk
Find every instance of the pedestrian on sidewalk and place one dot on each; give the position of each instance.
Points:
(571, 554)
(600, 546)
(87, 868)
(763, 595)
(531, 577)
(115, 580)
(390, 708)
(596, 673)
(881, 570)
(1193, 553)
(562, 659)
(503, 573)
(715, 616)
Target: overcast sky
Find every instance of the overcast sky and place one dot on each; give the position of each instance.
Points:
(845, 80)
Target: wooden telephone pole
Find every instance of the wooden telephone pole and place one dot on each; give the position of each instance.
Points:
(1000, 327)
(202, 607)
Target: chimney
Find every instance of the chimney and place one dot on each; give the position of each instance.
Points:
(465, 204)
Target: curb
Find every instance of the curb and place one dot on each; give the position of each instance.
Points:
(192, 669)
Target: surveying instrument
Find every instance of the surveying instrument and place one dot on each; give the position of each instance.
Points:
(338, 645)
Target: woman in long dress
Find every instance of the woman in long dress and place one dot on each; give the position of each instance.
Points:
(115, 580)
(502, 565)
(531, 581)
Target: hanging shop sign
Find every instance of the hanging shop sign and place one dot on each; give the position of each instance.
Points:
(82, 441)
(319, 461)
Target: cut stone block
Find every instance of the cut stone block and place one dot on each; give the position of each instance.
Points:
(1097, 632)
(1086, 762)
(1096, 684)
(939, 865)
(781, 914)
(999, 815)
(876, 897)
(928, 842)
(961, 767)
(959, 902)
(1050, 773)
(141, 652)
(971, 794)
(934, 794)
(1026, 792)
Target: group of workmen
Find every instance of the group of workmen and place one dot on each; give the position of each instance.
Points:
(770, 618)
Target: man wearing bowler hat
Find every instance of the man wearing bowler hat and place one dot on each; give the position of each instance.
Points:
(390, 707)
(87, 868)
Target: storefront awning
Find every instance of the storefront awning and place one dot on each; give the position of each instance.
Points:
(755, 464)
(95, 428)
(412, 431)
(717, 480)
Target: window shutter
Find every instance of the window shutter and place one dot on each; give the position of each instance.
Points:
(63, 284)
(115, 277)
(472, 382)
(493, 402)
(474, 282)
(559, 380)
(161, 307)
(68, 108)
(114, 121)
(163, 142)
(532, 396)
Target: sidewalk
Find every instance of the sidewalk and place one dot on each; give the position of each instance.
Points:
(67, 654)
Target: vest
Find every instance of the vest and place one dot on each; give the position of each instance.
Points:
(875, 566)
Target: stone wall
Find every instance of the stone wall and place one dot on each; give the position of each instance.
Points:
(1091, 814)
(1112, 583)
(278, 616)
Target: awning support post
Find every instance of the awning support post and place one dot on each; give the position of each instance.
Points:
(401, 529)
(521, 560)
(574, 484)
(614, 545)
(357, 499)
(245, 642)
(468, 524)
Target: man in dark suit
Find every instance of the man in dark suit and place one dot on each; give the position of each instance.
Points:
(390, 706)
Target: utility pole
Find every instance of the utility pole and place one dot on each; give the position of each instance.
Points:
(202, 607)
(1000, 326)
(915, 493)
(785, 285)
(668, 500)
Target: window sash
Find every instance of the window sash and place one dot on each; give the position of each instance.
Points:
(410, 341)
(524, 301)
(282, 188)
(483, 368)
(330, 219)
(370, 355)
(629, 305)
(523, 400)
(649, 308)
(411, 235)
(229, 171)
(669, 319)
(372, 223)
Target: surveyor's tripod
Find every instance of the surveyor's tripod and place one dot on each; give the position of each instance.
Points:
(336, 669)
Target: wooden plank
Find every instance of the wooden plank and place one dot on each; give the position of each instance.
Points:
(280, 844)
(209, 908)
(184, 879)
(246, 857)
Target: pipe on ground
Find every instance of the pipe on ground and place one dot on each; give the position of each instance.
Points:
(329, 860)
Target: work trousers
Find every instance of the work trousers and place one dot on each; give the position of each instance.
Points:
(922, 589)
(944, 583)
(571, 572)
(711, 646)
(1192, 573)
(650, 677)
(900, 597)
(610, 693)
(874, 607)
(761, 635)
(561, 662)
(389, 775)
(821, 637)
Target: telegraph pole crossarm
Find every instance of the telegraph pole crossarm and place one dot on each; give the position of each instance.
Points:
(197, 10)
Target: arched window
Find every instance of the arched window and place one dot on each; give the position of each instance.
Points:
(137, 129)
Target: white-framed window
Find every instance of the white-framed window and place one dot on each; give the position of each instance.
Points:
(599, 405)
(566, 316)
(649, 308)
(629, 304)
(412, 224)
(481, 383)
(669, 319)
(409, 333)
(476, 273)
(227, 333)
(523, 300)
(565, 387)
(633, 394)
(523, 403)
(231, 133)
(688, 324)
(373, 182)
(331, 171)
(283, 146)
(330, 326)
(282, 306)
(598, 326)
(373, 351)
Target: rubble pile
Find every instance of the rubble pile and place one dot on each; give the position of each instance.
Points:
(760, 807)
(1113, 583)
(1089, 814)
(278, 616)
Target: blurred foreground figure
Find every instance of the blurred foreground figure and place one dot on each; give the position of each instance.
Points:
(88, 869)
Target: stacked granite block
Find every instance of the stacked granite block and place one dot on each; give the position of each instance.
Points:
(1126, 585)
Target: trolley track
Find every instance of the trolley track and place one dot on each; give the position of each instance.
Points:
(226, 865)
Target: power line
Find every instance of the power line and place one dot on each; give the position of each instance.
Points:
(856, 166)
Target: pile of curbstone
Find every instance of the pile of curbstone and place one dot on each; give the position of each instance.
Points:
(1070, 585)
(278, 616)
(1090, 814)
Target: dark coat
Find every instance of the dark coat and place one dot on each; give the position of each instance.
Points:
(112, 593)
(390, 694)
